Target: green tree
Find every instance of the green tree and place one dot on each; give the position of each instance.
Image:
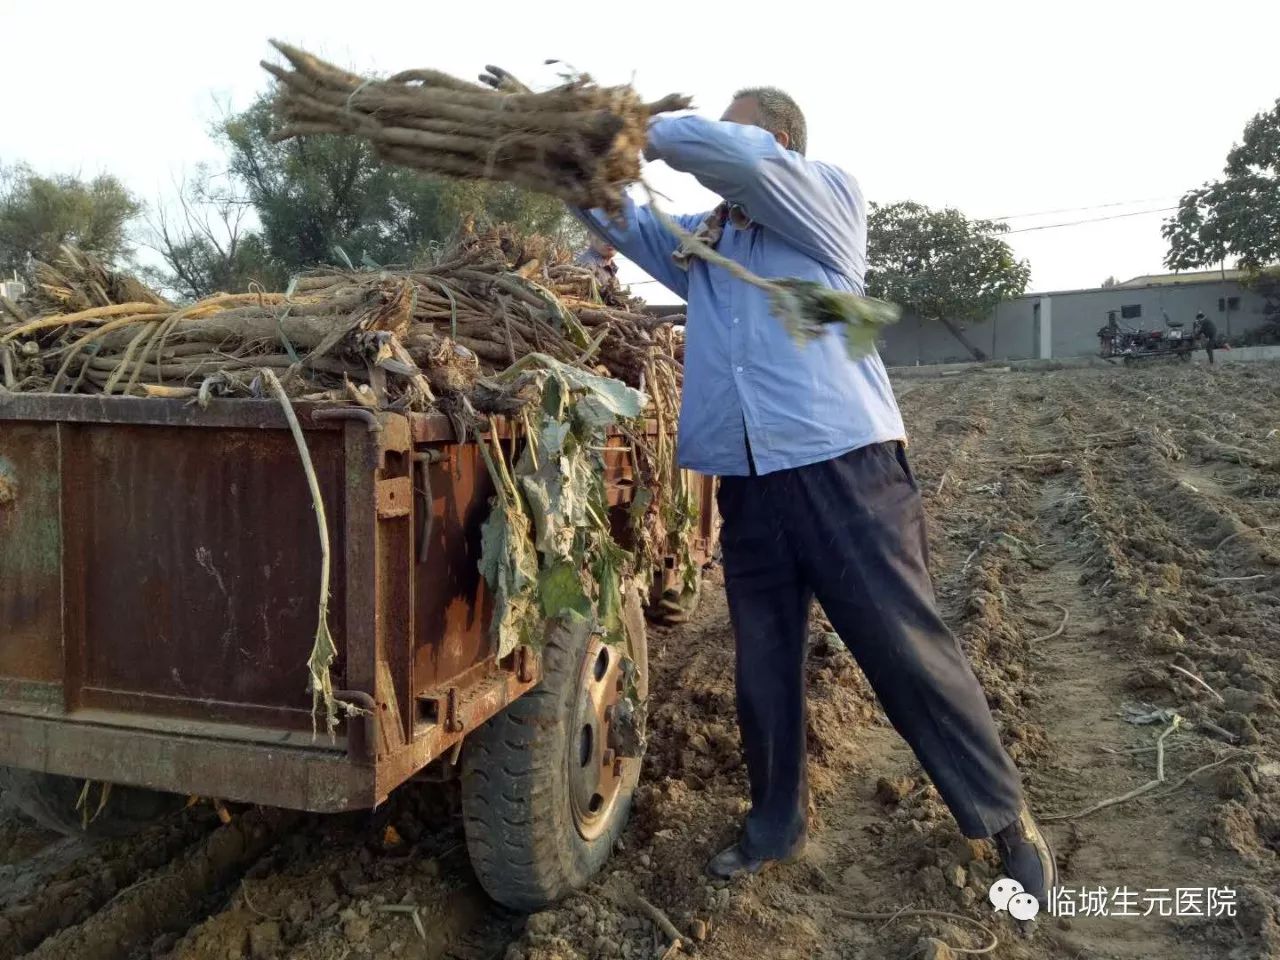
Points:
(204, 239)
(1237, 216)
(316, 194)
(941, 265)
(40, 213)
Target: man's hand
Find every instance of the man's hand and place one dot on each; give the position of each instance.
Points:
(502, 81)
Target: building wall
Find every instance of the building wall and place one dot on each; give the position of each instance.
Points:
(913, 340)
(1073, 318)
(1016, 335)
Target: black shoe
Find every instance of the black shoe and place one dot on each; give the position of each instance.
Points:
(732, 862)
(1027, 857)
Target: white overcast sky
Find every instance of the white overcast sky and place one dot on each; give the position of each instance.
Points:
(999, 109)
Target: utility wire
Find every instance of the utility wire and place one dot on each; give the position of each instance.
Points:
(1096, 206)
(1076, 223)
(1046, 226)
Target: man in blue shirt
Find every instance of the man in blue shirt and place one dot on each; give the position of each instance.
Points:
(816, 494)
(599, 258)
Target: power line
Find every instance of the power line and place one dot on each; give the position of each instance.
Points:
(1076, 223)
(1096, 206)
(1047, 226)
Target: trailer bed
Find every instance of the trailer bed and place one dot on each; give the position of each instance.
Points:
(159, 570)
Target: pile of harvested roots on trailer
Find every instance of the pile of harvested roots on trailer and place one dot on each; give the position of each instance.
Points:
(438, 335)
(498, 325)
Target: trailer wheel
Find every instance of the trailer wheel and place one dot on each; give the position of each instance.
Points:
(547, 784)
(51, 801)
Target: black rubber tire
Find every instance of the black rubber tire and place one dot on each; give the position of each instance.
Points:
(524, 846)
(50, 801)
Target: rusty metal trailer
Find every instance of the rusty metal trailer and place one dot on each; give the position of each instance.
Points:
(159, 569)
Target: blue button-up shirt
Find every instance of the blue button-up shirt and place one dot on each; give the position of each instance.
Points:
(808, 220)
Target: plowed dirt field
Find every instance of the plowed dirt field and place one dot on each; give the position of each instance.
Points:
(1106, 544)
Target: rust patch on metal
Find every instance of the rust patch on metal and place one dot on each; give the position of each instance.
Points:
(8, 486)
(451, 601)
(395, 497)
(30, 554)
(195, 563)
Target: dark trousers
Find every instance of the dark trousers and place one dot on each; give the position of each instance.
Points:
(851, 532)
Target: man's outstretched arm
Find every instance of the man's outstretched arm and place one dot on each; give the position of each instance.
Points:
(643, 240)
(811, 205)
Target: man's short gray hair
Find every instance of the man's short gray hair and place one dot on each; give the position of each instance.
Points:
(779, 114)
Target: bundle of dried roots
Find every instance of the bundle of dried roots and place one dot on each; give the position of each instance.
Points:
(579, 141)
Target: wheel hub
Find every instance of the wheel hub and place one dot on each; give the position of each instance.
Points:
(596, 770)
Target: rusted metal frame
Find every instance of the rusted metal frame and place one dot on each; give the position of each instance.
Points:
(395, 498)
(362, 724)
(246, 413)
(396, 561)
(155, 704)
(308, 778)
(359, 540)
(365, 416)
(526, 664)
(452, 720)
(474, 704)
(424, 514)
(523, 662)
(440, 706)
(74, 540)
(178, 727)
(144, 411)
(33, 695)
(380, 557)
